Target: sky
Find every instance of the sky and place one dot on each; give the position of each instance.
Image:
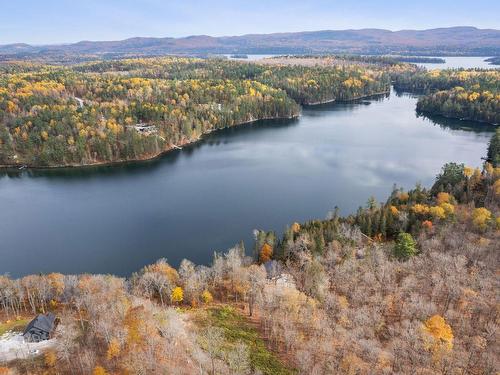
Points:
(67, 21)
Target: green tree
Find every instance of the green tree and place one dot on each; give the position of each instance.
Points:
(494, 149)
(405, 246)
(451, 180)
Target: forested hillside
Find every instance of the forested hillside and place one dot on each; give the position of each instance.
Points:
(405, 286)
(133, 109)
(136, 109)
(458, 41)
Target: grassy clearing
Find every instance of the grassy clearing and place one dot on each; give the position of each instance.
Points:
(237, 329)
(13, 325)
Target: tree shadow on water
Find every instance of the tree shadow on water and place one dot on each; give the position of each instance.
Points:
(130, 168)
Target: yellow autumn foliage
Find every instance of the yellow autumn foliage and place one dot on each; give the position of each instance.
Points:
(177, 295)
(207, 297)
(50, 358)
(113, 349)
(98, 370)
(420, 209)
(448, 208)
(468, 171)
(439, 334)
(496, 188)
(481, 217)
(344, 304)
(437, 212)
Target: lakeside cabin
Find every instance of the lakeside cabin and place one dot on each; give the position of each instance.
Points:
(41, 328)
(144, 128)
(275, 274)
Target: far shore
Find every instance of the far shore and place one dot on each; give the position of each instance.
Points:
(150, 157)
(170, 148)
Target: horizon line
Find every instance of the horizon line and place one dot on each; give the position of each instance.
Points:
(235, 36)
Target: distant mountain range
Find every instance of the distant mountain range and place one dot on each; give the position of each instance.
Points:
(443, 41)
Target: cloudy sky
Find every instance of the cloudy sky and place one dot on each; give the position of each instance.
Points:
(63, 21)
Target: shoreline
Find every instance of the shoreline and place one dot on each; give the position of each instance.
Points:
(348, 100)
(171, 148)
(23, 166)
(438, 114)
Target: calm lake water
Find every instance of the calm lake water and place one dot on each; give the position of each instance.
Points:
(452, 62)
(465, 62)
(211, 195)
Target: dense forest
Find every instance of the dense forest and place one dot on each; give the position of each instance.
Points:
(418, 59)
(133, 109)
(305, 84)
(459, 103)
(472, 94)
(426, 81)
(493, 156)
(405, 286)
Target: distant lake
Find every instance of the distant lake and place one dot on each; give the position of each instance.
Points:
(250, 57)
(211, 195)
(465, 62)
(452, 62)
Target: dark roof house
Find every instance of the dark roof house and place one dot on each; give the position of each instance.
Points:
(40, 328)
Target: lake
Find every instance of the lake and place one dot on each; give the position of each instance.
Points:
(212, 194)
(463, 62)
(451, 62)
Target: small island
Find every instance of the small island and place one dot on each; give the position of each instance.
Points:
(239, 56)
(420, 60)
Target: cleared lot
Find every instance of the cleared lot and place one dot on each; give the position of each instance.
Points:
(13, 346)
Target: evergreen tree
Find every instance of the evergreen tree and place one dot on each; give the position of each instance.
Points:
(405, 246)
(494, 149)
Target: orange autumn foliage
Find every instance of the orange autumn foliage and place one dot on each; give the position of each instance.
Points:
(403, 197)
(443, 198)
(164, 268)
(295, 227)
(427, 224)
(133, 323)
(266, 252)
(394, 211)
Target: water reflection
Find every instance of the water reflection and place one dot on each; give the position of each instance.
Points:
(212, 194)
(218, 138)
(453, 124)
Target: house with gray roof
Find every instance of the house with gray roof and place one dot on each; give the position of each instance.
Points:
(41, 328)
